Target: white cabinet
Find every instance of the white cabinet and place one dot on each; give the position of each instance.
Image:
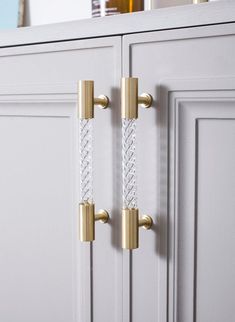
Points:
(183, 270)
(44, 268)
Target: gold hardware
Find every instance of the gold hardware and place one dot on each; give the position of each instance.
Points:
(130, 236)
(87, 101)
(102, 101)
(130, 227)
(146, 222)
(87, 218)
(145, 100)
(102, 216)
(130, 98)
(87, 223)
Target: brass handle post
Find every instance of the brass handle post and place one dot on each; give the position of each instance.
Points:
(87, 101)
(130, 227)
(86, 104)
(130, 99)
(130, 216)
(102, 216)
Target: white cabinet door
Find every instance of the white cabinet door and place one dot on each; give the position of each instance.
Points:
(202, 199)
(184, 268)
(46, 273)
(38, 203)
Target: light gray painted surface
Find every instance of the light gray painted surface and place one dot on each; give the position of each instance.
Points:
(159, 19)
(172, 276)
(215, 257)
(46, 273)
(37, 226)
(181, 65)
(203, 203)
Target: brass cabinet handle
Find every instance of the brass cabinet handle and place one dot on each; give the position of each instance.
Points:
(130, 99)
(87, 220)
(86, 103)
(130, 213)
(130, 227)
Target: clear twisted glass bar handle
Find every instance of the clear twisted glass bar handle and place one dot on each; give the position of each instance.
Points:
(130, 213)
(129, 175)
(86, 160)
(87, 216)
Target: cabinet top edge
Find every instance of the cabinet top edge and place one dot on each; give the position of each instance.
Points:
(155, 20)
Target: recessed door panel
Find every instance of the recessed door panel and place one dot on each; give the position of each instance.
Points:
(37, 222)
(67, 280)
(174, 66)
(203, 130)
(215, 223)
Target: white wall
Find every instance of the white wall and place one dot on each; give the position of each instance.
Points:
(39, 12)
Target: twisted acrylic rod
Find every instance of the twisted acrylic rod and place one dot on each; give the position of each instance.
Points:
(129, 163)
(86, 161)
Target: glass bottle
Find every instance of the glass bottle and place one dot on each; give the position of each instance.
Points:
(102, 8)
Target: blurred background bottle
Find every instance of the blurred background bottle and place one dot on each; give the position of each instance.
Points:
(102, 8)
